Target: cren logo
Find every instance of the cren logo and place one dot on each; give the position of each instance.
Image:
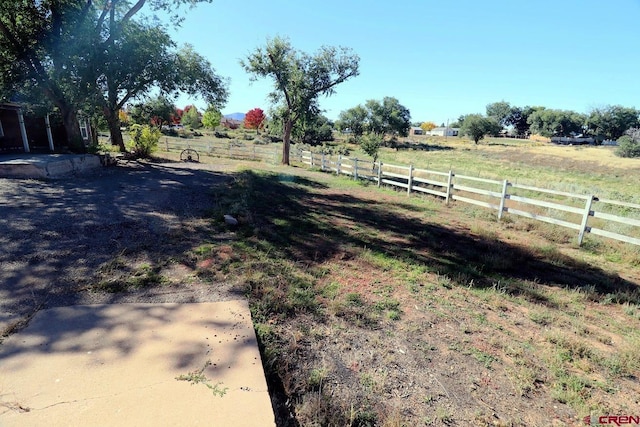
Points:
(615, 420)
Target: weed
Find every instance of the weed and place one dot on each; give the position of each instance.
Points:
(331, 290)
(542, 318)
(198, 377)
(354, 300)
(443, 415)
(317, 376)
(482, 357)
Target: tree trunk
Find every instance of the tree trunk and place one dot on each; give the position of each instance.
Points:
(286, 141)
(72, 128)
(113, 121)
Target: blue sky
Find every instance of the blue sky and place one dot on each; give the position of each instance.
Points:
(440, 59)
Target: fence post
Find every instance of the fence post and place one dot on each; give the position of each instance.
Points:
(410, 180)
(323, 165)
(585, 218)
(449, 185)
(311, 157)
(355, 168)
(379, 173)
(338, 164)
(505, 196)
(166, 144)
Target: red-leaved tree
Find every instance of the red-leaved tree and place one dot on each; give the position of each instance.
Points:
(254, 119)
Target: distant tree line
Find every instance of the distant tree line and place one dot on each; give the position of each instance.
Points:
(604, 123)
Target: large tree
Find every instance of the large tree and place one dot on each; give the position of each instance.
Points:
(353, 120)
(476, 126)
(612, 121)
(157, 111)
(73, 51)
(37, 55)
(500, 111)
(388, 117)
(212, 117)
(299, 79)
(549, 122)
(191, 118)
(255, 119)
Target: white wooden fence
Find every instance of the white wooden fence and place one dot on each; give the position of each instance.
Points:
(233, 148)
(583, 213)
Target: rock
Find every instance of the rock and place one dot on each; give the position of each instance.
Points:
(230, 220)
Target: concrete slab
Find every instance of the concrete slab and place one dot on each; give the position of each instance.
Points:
(39, 166)
(135, 365)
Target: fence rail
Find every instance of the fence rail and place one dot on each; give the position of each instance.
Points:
(235, 149)
(579, 212)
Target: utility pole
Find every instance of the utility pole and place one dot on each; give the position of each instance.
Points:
(446, 131)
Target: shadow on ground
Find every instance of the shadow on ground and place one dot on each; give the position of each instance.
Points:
(310, 226)
(58, 235)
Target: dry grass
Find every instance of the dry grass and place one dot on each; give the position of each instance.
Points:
(375, 309)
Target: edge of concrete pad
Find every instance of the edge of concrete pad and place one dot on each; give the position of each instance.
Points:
(135, 364)
(52, 166)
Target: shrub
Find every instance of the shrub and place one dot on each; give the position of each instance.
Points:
(628, 147)
(221, 134)
(144, 140)
(370, 144)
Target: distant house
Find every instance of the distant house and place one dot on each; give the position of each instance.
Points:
(443, 131)
(415, 130)
(33, 133)
(230, 123)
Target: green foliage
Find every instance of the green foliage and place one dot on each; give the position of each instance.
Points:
(371, 144)
(144, 140)
(629, 145)
(211, 118)
(548, 122)
(191, 118)
(157, 111)
(476, 127)
(96, 56)
(353, 120)
(316, 129)
(500, 111)
(300, 78)
(613, 121)
(388, 117)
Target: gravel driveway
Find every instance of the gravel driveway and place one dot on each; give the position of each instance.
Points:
(56, 237)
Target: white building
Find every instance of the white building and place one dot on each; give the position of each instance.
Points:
(443, 131)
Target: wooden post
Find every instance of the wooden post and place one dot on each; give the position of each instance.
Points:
(505, 196)
(355, 168)
(449, 185)
(311, 157)
(379, 173)
(166, 144)
(585, 219)
(410, 180)
(323, 165)
(338, 164)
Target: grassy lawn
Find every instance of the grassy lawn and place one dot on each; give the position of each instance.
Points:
(377, 309)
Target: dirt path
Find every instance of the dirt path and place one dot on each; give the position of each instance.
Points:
(71, 241)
